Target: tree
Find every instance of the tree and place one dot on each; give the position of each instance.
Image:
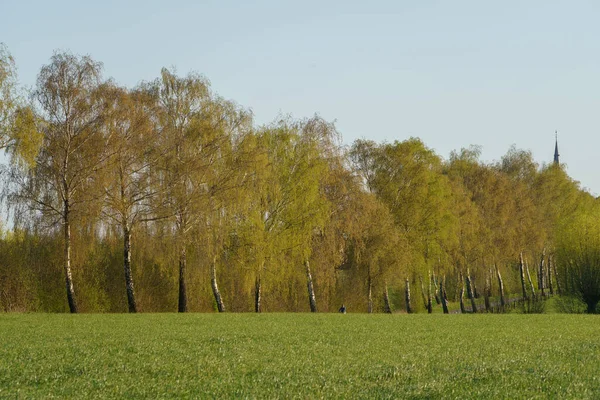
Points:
(493, 225)
(60, 185)
(18, 133)
(363, 156)
(197, 132)
(522, 171)
(462, 168)
(127, 185)
(188, 148)
(376, 251)
(578, 257)
(407, 177)
(333, 245)
(226, 182)
(556, 197)
(286, 206)
(321, 153)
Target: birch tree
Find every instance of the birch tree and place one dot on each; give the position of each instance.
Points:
(225, 182)
(60, 185)
(127, 184)
(287, 206)
(181, 104)
(196, 135)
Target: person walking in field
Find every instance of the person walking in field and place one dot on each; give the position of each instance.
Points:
(343, 309)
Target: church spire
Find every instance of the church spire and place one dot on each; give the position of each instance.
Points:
(556, 155)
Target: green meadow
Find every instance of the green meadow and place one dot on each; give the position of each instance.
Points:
(299, 356)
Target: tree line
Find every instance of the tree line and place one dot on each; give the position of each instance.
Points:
(166, 197)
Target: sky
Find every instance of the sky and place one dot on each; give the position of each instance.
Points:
(454, 74)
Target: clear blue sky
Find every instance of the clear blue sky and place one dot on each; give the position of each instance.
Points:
(453, 73)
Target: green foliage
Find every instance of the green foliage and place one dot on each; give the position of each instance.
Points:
(407, 177)
(533, 306)
(174, 185)
(26, 137)
(31, 274)
(557, 197)
(299, 355)
(578, 257)
(570, 305)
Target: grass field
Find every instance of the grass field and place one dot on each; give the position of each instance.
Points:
(299, 356)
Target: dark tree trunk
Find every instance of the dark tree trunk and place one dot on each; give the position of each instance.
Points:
(182, 307)
(215, 286)
(522, 275)
(443, 297)
(429, 305)
(549, 273)
(471, 292)
(369, 293)
(542, 274)
(487, 292)
(592, 305)
(311, 290)
(258, 295)
(67, 249)
(407, 297)
(127, 267)
(387, 308)
(462, 293)
(501, 289)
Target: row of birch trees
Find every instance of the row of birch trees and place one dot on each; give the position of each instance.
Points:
(167, 197)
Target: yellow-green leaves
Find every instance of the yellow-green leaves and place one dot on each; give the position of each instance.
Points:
(578, 256)
(26, 137)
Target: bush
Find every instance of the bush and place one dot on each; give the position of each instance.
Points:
(570, 305)
(534, 305)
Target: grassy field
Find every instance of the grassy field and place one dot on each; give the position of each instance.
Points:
(299, 356)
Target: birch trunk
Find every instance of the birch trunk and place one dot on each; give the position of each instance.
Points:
(542, 274)
(549, 273)
(387, 308)
(471, 292)
(529, 279)
(215, 286)
(311, 290)
(182, 306)
(127, 267)
(258, 295)
(462, 293)
(67, 250)
(501, 288)
(407, 297)
(522, 274)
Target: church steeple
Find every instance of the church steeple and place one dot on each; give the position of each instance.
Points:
(556, 155)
